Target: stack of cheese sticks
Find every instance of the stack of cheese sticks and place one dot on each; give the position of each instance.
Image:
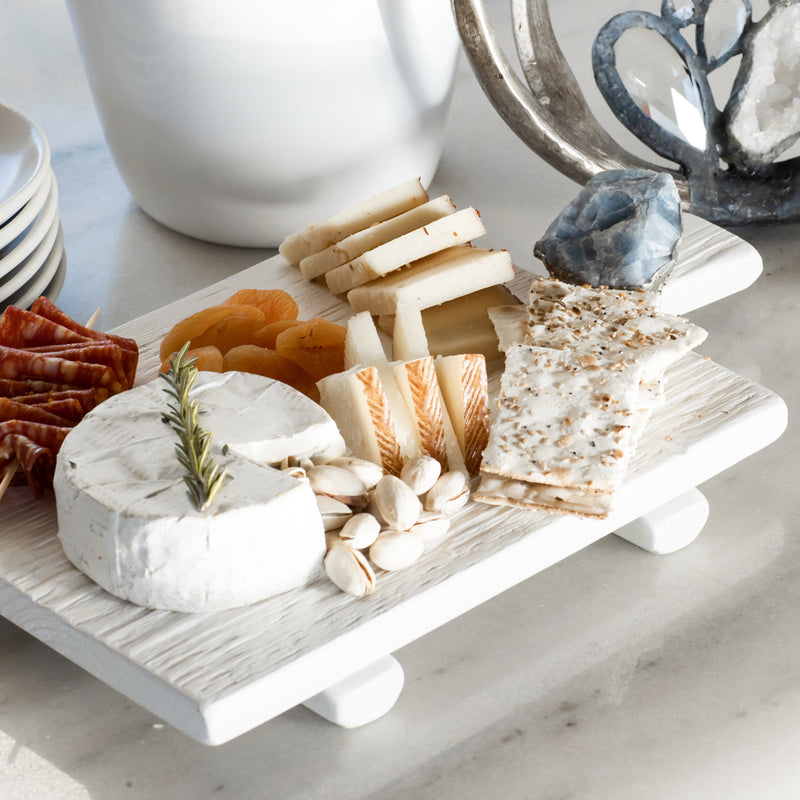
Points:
(398, 246)
(584, 369)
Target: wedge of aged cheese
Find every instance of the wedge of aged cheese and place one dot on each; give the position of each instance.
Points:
(465, 389)
(125, 520)
(458, 228)
(363, 348)
(434, 279)
(319, 235)
(559, 424)
(419, 387)
(357, 401)
(380, 233)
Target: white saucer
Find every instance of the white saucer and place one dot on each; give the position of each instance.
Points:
(28, 213)
(41, 279)
(24, 158)
(17, 251)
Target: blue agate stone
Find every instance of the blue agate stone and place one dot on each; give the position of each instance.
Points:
(621, 231)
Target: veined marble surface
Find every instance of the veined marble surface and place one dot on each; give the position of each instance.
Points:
(613, 675)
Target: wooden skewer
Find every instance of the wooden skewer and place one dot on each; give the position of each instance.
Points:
(93, 319)
(8, 473)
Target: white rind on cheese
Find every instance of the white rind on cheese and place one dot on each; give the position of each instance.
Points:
(265, 420)
(126, 521)
(319, 235)
(434, 279)
(455, 229)
(356, 244)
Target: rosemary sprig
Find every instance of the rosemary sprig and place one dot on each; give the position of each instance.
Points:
(203, 477)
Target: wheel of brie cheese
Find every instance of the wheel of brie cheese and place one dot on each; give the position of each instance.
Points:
(125, 518)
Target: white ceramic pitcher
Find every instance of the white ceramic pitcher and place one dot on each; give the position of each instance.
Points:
(239, 121)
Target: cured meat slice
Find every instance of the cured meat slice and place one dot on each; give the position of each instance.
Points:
(16, 388)
(12, 409)
(92, 352)
(83, 399)
(70, 409)
(47, 309)
(18, 364)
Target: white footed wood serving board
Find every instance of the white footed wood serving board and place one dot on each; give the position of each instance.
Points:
(215, 676)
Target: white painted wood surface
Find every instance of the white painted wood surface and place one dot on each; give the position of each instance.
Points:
(215, 676)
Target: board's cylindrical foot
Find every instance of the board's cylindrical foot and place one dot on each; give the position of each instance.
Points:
(669, 527)
(362, 697)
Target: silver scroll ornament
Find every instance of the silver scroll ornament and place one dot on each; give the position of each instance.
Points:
(727, 168)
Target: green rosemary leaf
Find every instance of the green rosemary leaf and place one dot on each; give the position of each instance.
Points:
(203, 477)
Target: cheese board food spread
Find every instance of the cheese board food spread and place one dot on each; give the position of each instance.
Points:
(367, 479)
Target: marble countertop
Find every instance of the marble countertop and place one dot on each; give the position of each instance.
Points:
(615, 674)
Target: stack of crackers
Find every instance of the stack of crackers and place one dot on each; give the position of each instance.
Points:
(584, 369)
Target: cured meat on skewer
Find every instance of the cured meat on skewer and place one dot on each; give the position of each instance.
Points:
(13, 410)
(49, 310)
(52, 372)
(16, 364)
(33, 445)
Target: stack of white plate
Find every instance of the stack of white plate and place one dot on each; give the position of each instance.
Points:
(32, 259)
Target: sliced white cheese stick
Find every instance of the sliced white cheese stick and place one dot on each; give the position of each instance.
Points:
(435, 279)
(319, 235)
(458, 228)
(360, 242)
(409, 340)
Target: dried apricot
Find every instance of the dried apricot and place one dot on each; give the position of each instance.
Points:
(209, 359)
(262, 361)
(235, 329)
(193, 326)
(274, 303)
(317, 345)
(266, 336)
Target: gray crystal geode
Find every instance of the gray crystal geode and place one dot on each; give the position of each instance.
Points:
(621, 231)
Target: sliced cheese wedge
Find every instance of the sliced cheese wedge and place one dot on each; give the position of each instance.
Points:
(357, 402)
(434, 279)
(419, 387)
(465, 388)
(454, 229)
(356, 244)
(319, 235)
(363, 348)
